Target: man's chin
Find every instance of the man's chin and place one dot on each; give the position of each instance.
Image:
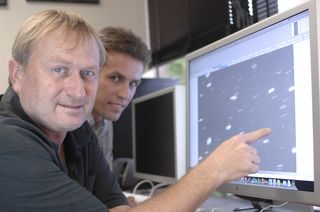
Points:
(68, 128)
(113, 117)
(72, 125)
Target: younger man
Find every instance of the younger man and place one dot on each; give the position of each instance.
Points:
(127, 57)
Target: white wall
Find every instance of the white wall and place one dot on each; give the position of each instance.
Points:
(124, 13)
(287, 4)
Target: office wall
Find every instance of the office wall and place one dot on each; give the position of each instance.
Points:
(125, 13)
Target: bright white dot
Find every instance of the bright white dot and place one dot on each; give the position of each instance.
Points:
(200, 158)
(209, 85)
(233, 98)
(294, 150)
(279, 166)
(254, 66)
(291, 89)
(265, 141)
(241, 133)
(201, 95)
(207, 75)
(283, 107)
(228, 127)
(271, 90)
(201, 119)
(206, 152)
(209, 141)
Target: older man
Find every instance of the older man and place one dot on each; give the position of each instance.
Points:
(49, 157)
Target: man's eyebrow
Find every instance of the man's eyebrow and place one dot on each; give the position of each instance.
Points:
(137, 80)
(66, 62)
(59, 60)
(120, 75)
(115, 72)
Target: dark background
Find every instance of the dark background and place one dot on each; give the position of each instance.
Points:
(182, 26)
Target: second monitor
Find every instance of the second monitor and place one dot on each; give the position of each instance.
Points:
(159, 135)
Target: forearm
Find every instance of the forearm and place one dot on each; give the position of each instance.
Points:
(232, 160)
(188, 193)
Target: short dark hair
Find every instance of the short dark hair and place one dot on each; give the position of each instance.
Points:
(117, 39)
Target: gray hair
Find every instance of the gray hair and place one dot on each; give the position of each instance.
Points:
(47, 21)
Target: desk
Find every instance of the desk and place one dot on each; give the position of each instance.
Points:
(226, 203)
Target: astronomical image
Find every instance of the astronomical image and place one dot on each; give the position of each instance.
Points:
(255, 93)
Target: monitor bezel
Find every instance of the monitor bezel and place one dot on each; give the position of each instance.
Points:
(268, 192)
(179, 105)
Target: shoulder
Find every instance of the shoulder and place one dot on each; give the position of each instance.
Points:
(13, 130)
(20, 136)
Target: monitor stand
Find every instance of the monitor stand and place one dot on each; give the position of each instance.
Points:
(257, 203)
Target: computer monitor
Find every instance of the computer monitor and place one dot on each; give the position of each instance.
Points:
(159, 141)
(266, 75)
(122, 128)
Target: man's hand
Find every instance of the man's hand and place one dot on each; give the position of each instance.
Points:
(236, 157)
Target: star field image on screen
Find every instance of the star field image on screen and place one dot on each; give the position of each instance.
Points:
(255, 93)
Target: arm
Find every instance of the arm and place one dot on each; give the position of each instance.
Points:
(233, 159)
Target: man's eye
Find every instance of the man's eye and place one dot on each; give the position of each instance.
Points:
(59, 70)
(88, 73)
(115, 78)
(135, 84)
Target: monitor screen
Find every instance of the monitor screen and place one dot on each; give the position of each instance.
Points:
(263, 76)
(159, 135)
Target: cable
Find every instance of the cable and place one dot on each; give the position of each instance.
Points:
(208, 209)
(154, 188)
(140, 183)
(273, 206)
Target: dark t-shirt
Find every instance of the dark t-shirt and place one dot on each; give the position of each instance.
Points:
(33, 178)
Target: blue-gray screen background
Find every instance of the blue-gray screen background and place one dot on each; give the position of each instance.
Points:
(255, 93)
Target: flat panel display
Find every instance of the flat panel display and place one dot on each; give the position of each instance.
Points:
(266, 75)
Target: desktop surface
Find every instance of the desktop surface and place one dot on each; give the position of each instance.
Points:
(229, 202)
(221, 202)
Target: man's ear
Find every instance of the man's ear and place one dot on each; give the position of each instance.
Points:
(15, 72)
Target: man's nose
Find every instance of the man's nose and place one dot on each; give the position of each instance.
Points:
(75, 86)
(125, 91)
